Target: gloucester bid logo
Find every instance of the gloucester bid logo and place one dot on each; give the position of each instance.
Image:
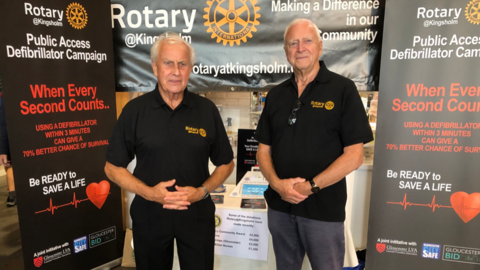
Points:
(231, 21)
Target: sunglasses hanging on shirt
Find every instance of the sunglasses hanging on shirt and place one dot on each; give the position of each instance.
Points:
(293, 116)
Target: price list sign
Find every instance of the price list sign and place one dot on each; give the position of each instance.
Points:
(241, 234)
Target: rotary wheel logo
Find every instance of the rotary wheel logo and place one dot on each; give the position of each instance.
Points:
(203, 133)
(329, 105)
(472, 12)
(231, 21)
(77, 16)
(218, 221)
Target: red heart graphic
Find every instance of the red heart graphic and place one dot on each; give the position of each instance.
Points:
(466, 206)
(97, 193)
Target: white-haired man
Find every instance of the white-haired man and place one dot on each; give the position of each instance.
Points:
(306, 150)
(172, 133)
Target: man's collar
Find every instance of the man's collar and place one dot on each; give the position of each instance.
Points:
(158, 101)
(323, 74)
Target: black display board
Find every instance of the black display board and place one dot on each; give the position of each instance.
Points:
(56, 63)
(425, 196)
(246, 152)
(239, 43)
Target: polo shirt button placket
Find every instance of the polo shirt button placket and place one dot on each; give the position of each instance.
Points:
(171, 120)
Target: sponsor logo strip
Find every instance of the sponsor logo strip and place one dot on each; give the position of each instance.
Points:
(461, 254)
(102, 237)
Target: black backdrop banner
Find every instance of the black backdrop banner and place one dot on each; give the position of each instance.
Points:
(239, 43)
(56, 63)
(425, 196)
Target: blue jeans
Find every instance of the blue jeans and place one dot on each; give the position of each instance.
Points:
(292, 236)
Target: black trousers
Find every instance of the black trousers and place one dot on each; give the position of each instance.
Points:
(154, 230)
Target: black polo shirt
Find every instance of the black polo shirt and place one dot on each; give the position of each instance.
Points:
(331, 117)
(170, 144)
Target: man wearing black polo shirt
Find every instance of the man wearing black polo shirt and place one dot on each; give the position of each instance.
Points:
(172, 133)
(311, 135)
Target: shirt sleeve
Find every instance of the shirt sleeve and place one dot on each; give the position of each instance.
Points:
(354, 127)
(263, 134)
(121, 146)
(221, 152)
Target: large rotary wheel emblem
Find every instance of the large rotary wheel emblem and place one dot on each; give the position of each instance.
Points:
(76, 15)
(231, 21)
(472, 12)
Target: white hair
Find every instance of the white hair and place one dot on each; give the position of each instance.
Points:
(297, 21)
(170, 38)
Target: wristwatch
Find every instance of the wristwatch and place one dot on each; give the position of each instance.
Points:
(315, 188)
(206, 193)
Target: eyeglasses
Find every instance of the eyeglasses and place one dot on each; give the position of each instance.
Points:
(293, 116)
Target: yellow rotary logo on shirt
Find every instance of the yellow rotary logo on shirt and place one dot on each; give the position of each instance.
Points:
(316, 104)
(193, 130)
(231, 21)
(472, 12)
(327, 105)
(218, 221)
(76, 16)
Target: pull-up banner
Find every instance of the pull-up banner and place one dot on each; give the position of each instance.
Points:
(239, 43)
(56, 60)
(425, 201)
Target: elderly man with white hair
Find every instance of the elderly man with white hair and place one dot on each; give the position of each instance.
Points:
(172, 133)
(311, 135)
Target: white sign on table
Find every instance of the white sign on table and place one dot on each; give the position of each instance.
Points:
(241, 234)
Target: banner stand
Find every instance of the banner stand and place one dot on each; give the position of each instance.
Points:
(60, 114)
(109, 265)
(425, 199)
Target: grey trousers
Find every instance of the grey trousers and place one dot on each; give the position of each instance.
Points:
(292, 236)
